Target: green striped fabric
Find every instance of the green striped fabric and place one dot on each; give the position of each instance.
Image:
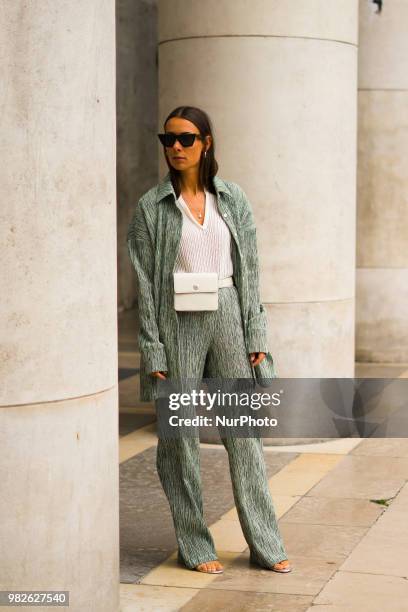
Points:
(178, 467)
(153, 240)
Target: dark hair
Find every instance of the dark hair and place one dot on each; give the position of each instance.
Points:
(208, 164)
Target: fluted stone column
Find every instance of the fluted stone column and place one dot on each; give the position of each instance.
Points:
(58, 352)
(279, 80)
(382, 254)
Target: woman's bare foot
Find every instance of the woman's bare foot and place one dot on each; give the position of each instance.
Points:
(210, 567)
(282, 566)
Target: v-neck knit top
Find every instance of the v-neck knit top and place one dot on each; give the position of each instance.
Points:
(207, 247)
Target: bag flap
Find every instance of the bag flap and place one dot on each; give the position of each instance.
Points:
(195, 282)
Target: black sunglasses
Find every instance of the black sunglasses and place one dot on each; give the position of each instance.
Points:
(186, 139)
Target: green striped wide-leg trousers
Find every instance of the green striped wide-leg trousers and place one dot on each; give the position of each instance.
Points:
(217, 337)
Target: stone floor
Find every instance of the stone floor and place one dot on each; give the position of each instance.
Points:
(348, 551)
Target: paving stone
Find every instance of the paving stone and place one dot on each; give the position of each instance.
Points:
(384, 548)
(330, 542)
(387, 447)
(324, 511)
(151, 598)
(363, 593)
(363, 477)
(307, 577)
(208, 600)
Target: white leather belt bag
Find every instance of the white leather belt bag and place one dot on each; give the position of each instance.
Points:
(198, 290)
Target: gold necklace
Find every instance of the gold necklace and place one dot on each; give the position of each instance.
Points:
(193, 210)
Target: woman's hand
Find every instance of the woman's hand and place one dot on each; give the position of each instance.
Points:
(160, 374)
(256, 358)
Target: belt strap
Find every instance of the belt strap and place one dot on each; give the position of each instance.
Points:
(226, 282)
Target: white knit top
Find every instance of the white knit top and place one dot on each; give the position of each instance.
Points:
(207, 247)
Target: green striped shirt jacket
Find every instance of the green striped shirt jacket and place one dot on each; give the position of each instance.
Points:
(153, 240)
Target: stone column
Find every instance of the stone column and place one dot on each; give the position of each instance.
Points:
(58, 350)
(279, 80)
(136, 86)
(382, 226)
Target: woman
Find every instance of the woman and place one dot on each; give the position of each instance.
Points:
(193, 221)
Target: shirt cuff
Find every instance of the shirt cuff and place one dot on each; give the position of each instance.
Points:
(257, 342)
(155, 359)
(257, 332)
